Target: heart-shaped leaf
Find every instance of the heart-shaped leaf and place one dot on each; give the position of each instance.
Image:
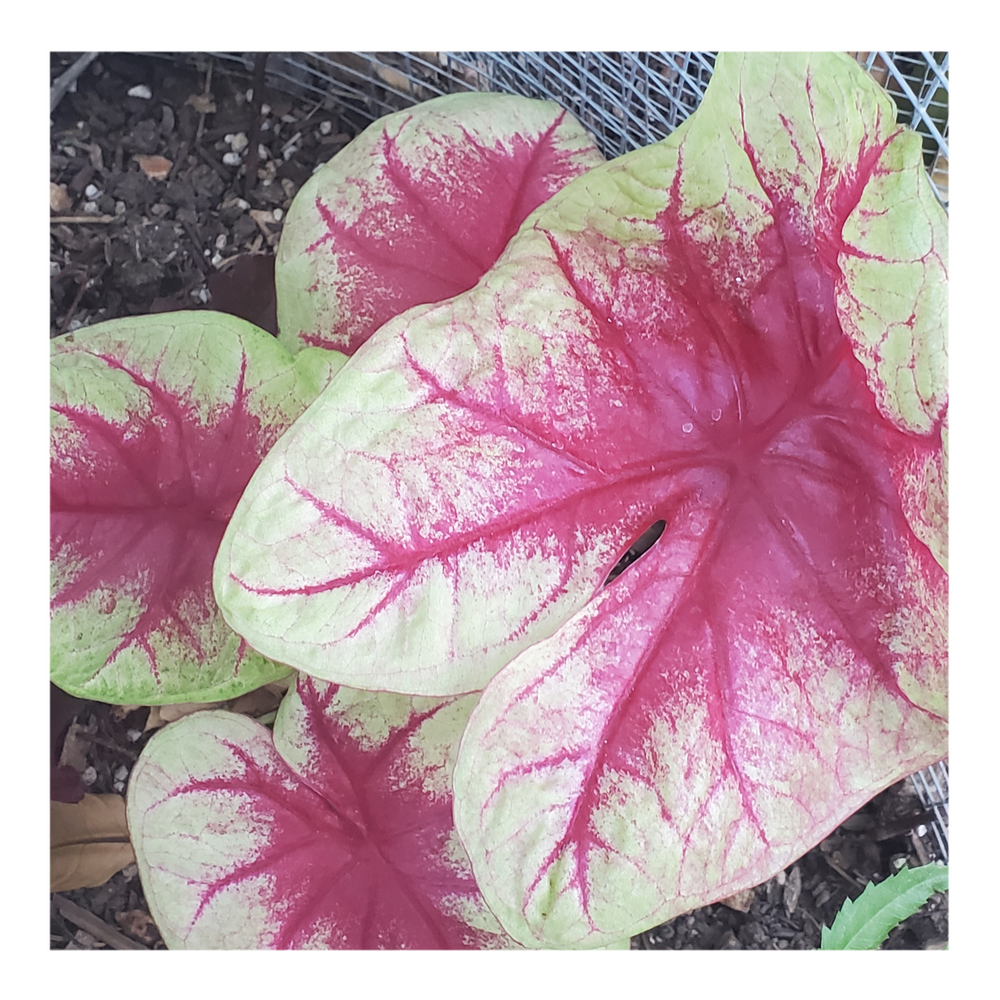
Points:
(336, 833)
(740, 332)
(416, 209)
(780, 654)
(157, 424)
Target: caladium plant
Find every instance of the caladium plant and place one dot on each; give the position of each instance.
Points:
(334, 832)
(157, 423)
(416, 209)
(735, 337)
(738, 332)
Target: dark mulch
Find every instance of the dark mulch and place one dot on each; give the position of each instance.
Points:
(124, 243)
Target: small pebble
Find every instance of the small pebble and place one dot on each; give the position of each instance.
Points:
(141, 91)
(239, 142)
(90, 208)
(289, 152)
(134, 735)
(231, 159)
(325, 128)
(220, 241)
(92, 191)
(277, 215)
(265, 109)
(200, 294)
(89, 775)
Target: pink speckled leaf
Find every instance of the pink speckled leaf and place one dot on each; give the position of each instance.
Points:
(416, 209)
(780, 654)
(336, 833)
(156, 426)
(691, 327)
(741, 332)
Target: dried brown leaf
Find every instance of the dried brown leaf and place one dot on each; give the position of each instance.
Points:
(259, 702)
(160, 715)
(120, 712)
(89, 842)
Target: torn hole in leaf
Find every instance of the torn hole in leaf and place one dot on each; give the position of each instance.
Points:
(637, 549)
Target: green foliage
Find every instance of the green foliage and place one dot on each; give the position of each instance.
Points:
(864, 923)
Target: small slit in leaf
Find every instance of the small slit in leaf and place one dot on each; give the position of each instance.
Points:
(638, 548)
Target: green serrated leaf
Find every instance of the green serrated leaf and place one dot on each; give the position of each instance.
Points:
(864, 923)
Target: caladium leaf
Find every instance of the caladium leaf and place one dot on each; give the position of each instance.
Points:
(779, 655)
(664, 326)
(336, 833)
(416, 209)
(740, 332)
(157, 424)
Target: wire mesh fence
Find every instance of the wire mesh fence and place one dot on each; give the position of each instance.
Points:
(626, 100)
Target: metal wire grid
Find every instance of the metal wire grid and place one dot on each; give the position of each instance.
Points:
(627, 100)
(918, 83)
(931, 785)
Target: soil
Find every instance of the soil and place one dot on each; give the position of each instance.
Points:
(132, 235)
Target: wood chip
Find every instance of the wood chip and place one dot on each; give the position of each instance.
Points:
(83, 218)
(59, 198)
(792, 890)
(202, 104)
(138, 925)
(93, 925)
(740, 901)
(156, 168)
(393, 78)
